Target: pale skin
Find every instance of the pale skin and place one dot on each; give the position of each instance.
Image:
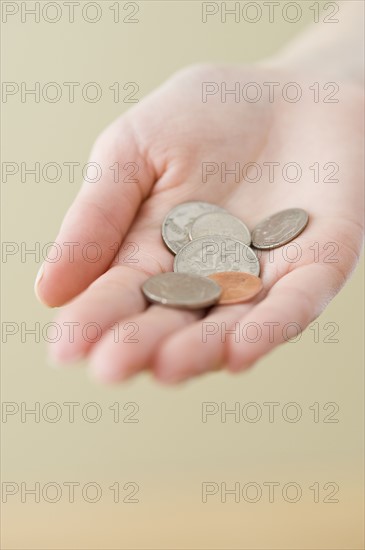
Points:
(169, 135)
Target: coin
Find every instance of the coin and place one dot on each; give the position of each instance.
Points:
(208, 255)
(181, 290)
(220, 223)
(176, 225)
(279, 228)
(237, 287)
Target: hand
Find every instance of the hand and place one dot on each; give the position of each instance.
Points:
(169, 135)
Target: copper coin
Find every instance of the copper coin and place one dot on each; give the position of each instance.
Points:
(236, 286)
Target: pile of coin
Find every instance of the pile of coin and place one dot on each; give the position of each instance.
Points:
(214, 262)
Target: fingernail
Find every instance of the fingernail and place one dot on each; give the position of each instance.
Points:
(38, 280)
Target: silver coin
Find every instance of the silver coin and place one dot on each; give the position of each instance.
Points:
(176, 225)
(208, 255)
(220, 223)
(181, 290)
(279, 229)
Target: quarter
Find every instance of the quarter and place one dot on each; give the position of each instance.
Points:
(220, 223)
(216, 253)
(177, 223)
(181, 290)
(279, 229)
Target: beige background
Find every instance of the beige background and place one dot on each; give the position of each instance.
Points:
(169, 452)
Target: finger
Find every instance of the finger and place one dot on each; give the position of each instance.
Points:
(115, 359)
(97, 221)
(81, 324)
(198, 348)
(113, 297)
(201, 346)
(293, 302)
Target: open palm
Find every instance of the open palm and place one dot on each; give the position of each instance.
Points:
(167, 141)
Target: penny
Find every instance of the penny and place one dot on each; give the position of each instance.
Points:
(220, 223)
(279, 229)
(236, 287)
(181, 290)
(177, 223)
(216, 253)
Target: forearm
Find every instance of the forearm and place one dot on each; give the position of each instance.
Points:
(335, 50)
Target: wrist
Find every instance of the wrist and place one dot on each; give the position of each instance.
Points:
(331, 51)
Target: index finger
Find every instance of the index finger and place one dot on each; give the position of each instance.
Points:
(100, 216)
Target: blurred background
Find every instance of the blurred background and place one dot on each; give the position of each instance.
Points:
(139, 466)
